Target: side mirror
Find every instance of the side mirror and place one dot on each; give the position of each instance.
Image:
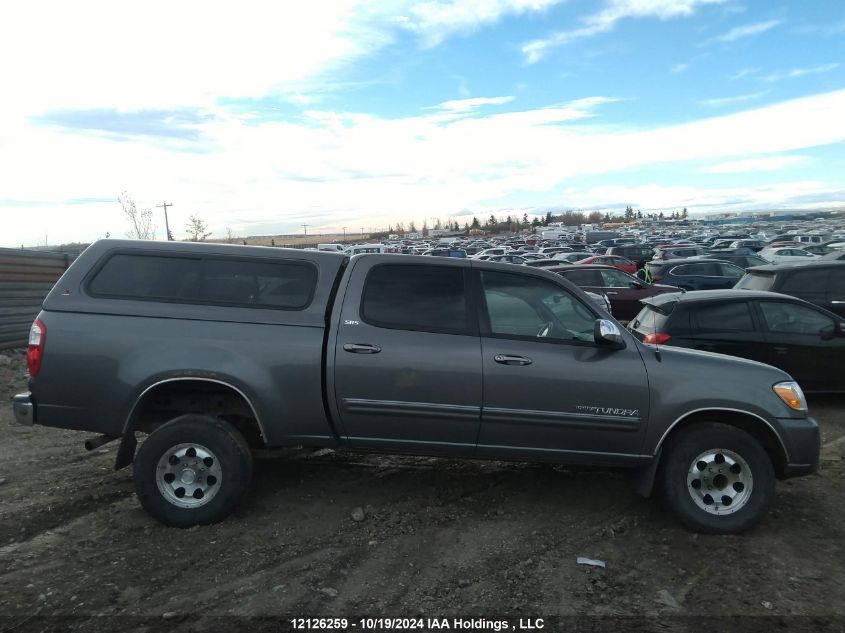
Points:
(606, 332)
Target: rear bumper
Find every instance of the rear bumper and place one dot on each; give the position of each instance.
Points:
(24, 409)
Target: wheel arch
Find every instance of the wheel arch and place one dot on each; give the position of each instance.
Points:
(756, 426)
(228, 399)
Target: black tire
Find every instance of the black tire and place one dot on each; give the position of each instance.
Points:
(679, 457)
(222, 440)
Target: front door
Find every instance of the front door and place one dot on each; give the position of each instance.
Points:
(549, 390)
(407, 363)
(801, 343)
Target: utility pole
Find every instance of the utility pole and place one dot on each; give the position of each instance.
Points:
(164, 205)
(344, 234)
(362, 232)
(305, 228)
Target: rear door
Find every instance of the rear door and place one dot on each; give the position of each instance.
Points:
(407, 371)
(549, 389)
(729, 328)
(705, 276)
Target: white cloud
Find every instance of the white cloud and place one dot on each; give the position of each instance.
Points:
(434, 20)
(743, 72)
(748, 30)
(160, 54)
(351, 169)
(765, 163)
(800, 72)
(605, 21)
(720, 101)
(465, 105)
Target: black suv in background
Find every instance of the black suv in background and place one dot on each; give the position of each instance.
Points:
(637, 253)
(821, 283)
(788, 333)
(695, 274)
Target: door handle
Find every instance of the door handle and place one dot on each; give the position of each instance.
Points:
(361, 348)
(781, 350)
(507, 359)
(611, 293)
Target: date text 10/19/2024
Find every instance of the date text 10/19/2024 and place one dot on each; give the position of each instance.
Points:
(415, 624)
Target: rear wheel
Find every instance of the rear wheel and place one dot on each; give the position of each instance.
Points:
(717, 479)
(192, 470)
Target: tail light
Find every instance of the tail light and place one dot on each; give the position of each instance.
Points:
(656, 338)
(35, 352)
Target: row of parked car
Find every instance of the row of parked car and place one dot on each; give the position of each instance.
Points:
(780, 305)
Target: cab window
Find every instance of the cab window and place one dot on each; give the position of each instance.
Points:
(517, 306)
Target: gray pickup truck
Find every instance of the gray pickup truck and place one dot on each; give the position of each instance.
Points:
(215, 351)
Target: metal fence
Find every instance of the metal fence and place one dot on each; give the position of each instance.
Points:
(25, 279)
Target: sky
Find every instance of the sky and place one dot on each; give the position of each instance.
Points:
(260, 117)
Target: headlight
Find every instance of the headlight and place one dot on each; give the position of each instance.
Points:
(791, 394)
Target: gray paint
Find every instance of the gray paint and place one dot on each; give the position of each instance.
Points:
(425, 393)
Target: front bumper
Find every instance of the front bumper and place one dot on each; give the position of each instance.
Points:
(24, 409)
(803, 442)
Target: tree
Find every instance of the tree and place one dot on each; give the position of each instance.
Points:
(548, 218)
(140, 222)
(639, 215)
(684, 213)
(629, 213)
(197, 229)
(594, 217)
(525, 221)
(492, 221)
(475, 224)
(425, 229)
(230, 236)
(412, 228)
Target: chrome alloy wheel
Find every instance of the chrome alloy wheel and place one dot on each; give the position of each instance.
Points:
(720, 481)
(188, 475)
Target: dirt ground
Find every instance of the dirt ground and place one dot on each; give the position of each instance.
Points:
(438, 538)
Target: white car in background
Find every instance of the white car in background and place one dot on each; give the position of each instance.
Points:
(786, 255)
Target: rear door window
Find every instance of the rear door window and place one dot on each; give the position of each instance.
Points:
(589, 277)
(413, 297)
(704, 270)
(729, 270)
(724, 317)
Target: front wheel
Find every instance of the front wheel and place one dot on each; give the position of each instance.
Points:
(192, 470)
(717, 479)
